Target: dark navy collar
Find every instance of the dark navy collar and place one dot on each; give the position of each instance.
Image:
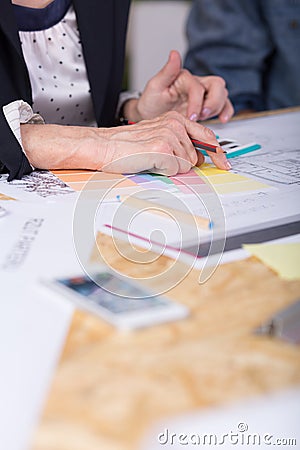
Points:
(35, 19)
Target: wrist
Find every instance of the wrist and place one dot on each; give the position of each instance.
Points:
(65, 147)
(130, 110)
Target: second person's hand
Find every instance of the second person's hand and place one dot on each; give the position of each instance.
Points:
(176, 89)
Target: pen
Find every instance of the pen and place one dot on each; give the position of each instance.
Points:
(200, 146)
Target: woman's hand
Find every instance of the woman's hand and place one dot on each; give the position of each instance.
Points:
(160, 145)
(176, 89)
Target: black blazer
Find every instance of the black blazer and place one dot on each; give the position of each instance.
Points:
(102, 25)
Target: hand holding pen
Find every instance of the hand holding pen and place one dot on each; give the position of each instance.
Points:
(161, 145)
(204, 148)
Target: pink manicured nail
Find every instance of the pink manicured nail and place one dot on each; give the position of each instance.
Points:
(193, 117)
(205, 112)
(228, 165)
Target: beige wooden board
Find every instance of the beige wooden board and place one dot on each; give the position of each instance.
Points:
(6, 197)
(111, 386)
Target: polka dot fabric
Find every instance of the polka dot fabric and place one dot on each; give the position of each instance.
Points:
(60, 87)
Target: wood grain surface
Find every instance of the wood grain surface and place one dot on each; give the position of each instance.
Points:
(110, 386)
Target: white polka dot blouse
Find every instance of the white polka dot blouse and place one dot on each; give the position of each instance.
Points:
(60, 87)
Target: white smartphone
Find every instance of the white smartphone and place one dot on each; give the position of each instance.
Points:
(124, 304)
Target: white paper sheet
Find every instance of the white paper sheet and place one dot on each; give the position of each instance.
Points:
(33, 327)
(38, 186)
(278, 161)
(34, 241)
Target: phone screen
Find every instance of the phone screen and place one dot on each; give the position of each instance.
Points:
(112, 293)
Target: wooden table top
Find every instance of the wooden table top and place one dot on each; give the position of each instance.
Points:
(110, 386)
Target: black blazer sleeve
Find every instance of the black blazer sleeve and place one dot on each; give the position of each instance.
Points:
(14, 85)
(102, 26)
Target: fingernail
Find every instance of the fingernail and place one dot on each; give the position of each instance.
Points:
(228, 165)
(205, 112)
(225, 118)
(193, 117)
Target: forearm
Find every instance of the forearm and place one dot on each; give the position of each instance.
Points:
(161, 145)
(64, 147)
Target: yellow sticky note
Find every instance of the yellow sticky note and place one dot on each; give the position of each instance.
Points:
(282, 258)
